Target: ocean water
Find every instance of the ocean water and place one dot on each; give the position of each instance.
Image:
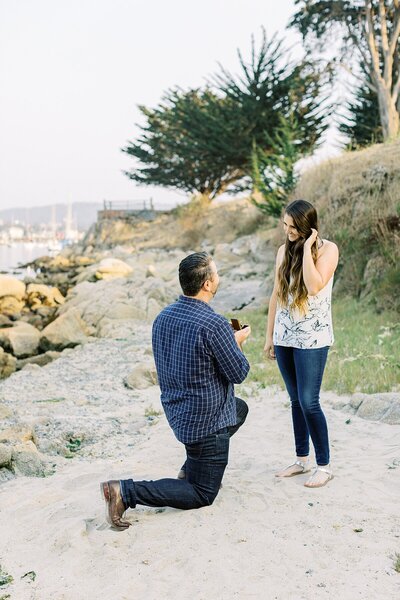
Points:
(11, 257)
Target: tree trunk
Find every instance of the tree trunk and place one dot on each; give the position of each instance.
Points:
(388, 112)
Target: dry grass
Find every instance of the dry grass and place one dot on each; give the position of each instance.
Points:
(190, 226)
(358, 198)
(396, 563)
(218, 222)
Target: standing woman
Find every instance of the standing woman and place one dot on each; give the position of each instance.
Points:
(299, 332)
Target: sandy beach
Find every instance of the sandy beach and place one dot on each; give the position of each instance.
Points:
(262, 139)
(263, 538)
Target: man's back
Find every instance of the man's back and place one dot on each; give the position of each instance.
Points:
(197, 360)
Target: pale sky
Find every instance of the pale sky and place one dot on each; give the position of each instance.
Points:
(73, 71)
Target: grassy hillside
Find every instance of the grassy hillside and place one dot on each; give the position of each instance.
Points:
(358, 197)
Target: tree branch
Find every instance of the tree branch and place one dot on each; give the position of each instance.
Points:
(394, 38)
(371, 41)
(396, 90)
(364, 56)
(387, 55)
(358, 77)
(384, 31)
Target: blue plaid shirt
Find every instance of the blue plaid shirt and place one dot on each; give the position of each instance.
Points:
(198, 361)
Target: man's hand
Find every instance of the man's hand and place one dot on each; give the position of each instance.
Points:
(242, 335)
(269, 349)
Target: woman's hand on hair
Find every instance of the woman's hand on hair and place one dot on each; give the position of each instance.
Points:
(269, 349)
(310, 241)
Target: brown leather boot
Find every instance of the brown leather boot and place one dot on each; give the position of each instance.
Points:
(115, 507)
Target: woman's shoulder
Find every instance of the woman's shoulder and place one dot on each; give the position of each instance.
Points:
(327, 246)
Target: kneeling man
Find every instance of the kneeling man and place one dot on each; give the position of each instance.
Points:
(198, 359)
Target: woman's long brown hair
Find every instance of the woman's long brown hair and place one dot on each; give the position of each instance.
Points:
(290, 274)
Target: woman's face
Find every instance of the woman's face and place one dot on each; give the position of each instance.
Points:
(289, 228)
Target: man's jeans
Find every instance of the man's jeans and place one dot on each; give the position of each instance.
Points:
(302, 371)
(205, 465)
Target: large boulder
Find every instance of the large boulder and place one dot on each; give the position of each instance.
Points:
(117, 328)
(100, 304)
(7, 364)
(10, 286)
(39, 295)
(383, 407)
(67, 331)
(22, 339)
(110, 268)
(11, 306)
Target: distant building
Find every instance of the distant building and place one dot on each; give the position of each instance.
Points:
(16, 233)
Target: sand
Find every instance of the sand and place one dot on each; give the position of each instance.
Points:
(263, 538)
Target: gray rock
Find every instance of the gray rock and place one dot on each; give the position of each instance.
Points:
(66, 331)
(46, 311)
(372, 273)
(374, 407)
(151, 271)
(41, 359)
(119, 328)
(142, 377)
(22, 339)
(7, 364)
(5, 322)
(6, 475)
(5, 455)
(393, 414)
(27, 461)
(357, 399)
(233, 296)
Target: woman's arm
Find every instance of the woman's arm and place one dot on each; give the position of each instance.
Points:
(269, 346)
(317, 275)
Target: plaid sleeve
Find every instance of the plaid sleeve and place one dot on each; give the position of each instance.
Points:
(230, 359)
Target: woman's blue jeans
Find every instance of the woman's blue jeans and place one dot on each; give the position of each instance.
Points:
(302, 371)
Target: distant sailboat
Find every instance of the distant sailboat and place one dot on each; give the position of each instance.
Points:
(54, 246)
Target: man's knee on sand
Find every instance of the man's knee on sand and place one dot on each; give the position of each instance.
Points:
(205, 499)
(205, 496)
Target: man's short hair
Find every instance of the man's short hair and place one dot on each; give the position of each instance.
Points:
(194, 270)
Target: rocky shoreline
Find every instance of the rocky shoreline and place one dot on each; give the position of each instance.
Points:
(90, 315)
